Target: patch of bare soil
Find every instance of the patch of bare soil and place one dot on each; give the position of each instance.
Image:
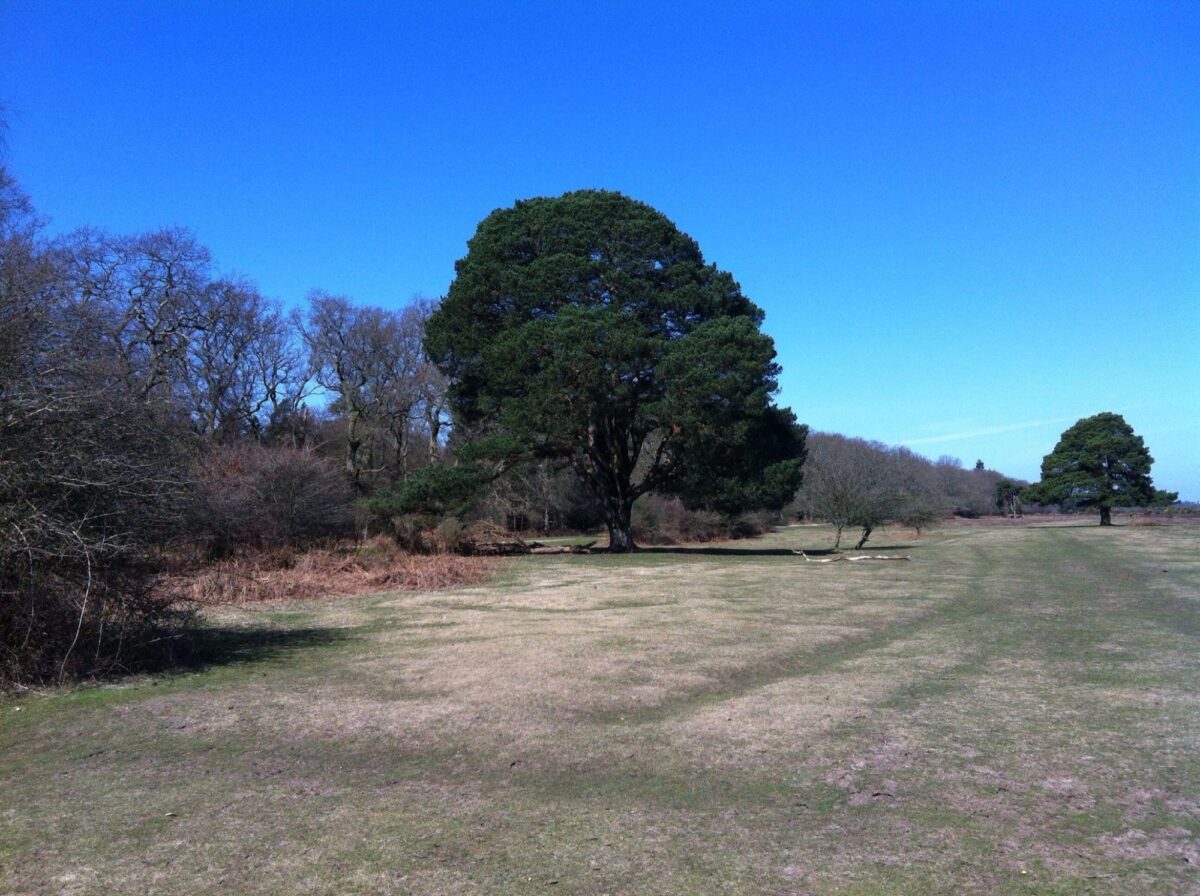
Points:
(1137, 844)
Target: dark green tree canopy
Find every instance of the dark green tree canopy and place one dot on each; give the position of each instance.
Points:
(588, 327)
(1098, 462)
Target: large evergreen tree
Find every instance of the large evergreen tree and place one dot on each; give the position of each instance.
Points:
(588, 327)
(1098, 462)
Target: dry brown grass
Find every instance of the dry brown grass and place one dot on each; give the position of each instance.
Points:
(1014, 712)
(374, 565)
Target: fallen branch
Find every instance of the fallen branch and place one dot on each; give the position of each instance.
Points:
(517, 546)
(560, 548)
(849, 559)
(500, 548)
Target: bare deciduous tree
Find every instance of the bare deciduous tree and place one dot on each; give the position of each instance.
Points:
(853, 482)
(244, 365)
(847, 483)
(146, 294)
(371, 360)
(969, 493)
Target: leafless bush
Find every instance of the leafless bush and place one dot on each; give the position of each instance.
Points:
(659, 520)
(91, 483)
(750, 525)
(248, 496)
(1146, 521)
(91, 477)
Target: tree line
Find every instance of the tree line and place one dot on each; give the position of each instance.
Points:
(862, 485)
(1099, 462)
(155, 410)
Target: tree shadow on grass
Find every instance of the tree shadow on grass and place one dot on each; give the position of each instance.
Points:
(767, 552)
(215, 646)
(1092, 525)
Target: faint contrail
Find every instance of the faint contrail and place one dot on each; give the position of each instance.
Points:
(985, 431)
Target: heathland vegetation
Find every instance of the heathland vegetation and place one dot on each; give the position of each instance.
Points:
(168, 433)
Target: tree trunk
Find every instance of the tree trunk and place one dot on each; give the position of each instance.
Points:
(620, 541)
(866, 534)
(1105, 515)
(838, 538)
(434, 429)
(620, 527)
(353, 452)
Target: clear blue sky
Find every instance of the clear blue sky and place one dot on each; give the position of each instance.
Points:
(970, 223)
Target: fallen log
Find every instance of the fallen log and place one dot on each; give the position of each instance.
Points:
(849, 559)
(500, 548)
(515, 548)
(561, 548)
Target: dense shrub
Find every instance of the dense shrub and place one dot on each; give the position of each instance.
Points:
(452, 537)
(413, 532)
(751, 525)
(91, 485)
(248, 496)
(92, 476)
(662, 520)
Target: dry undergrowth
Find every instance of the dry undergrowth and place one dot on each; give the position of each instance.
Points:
(374, 565)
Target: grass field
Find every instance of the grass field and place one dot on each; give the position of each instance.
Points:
(1015, 711)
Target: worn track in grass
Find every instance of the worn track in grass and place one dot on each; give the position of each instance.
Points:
(1015, 711)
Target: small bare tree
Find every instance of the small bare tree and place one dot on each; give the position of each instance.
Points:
(853, 482)
(249, 496)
